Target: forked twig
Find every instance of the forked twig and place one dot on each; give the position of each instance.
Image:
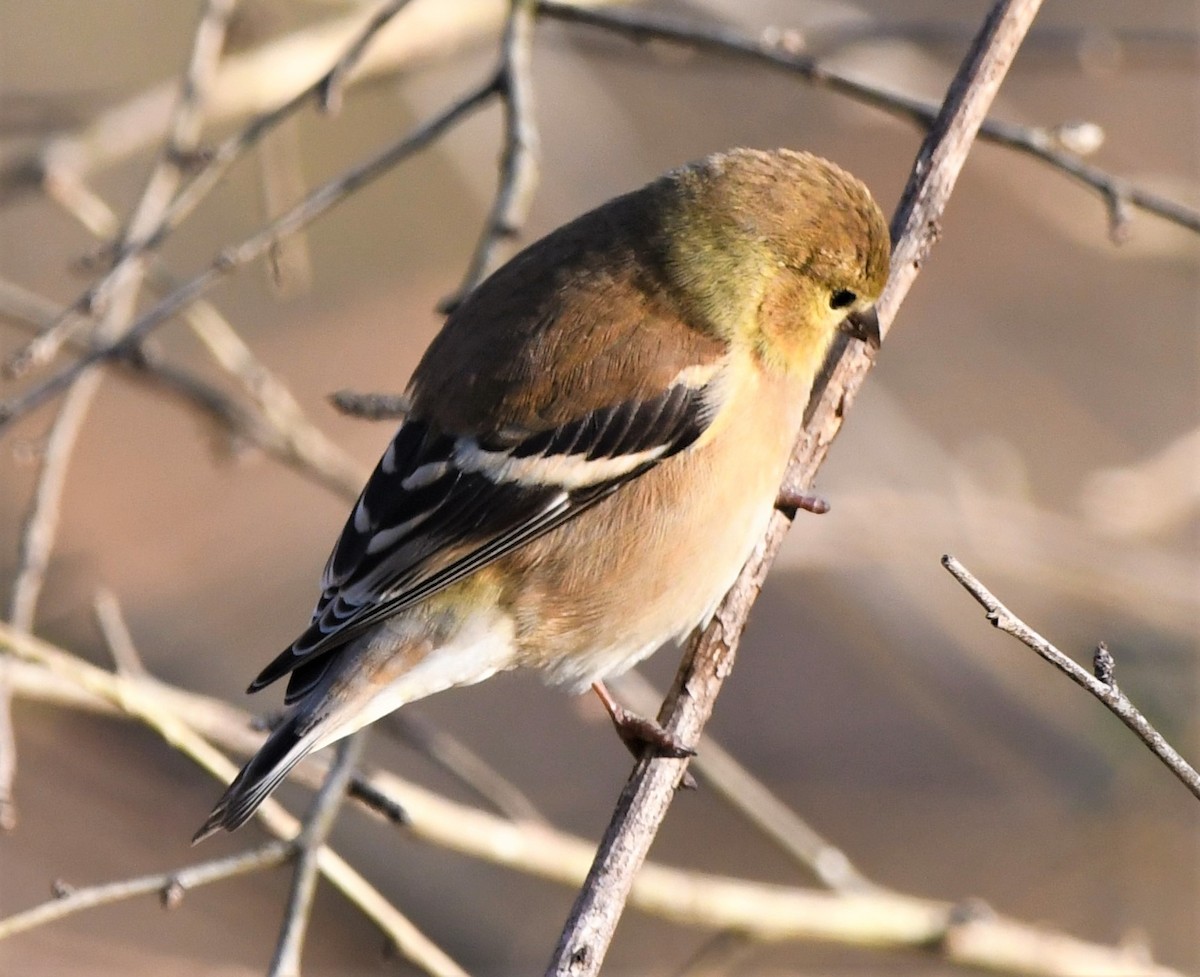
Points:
(1101, 684)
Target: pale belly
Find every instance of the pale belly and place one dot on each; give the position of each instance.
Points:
(651, 578)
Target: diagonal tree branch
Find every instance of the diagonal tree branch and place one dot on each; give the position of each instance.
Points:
(310, 841)
(1044, 144)
(644, 801)
(323, 197)
(967, 933)
(1101, 685)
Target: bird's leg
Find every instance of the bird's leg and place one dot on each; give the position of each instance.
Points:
(789, 502)
(638, 733)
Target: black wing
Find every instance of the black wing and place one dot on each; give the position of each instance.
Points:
(439, 507)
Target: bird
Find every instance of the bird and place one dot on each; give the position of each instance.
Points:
(594, 443)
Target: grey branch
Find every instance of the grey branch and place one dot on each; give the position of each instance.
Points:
(169, 886)
(519, 159)
(318, 824)
(1100, 685)
(312, 206)
(644, 801)
(1043, 144)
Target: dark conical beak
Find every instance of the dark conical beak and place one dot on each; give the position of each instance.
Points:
(863, 325)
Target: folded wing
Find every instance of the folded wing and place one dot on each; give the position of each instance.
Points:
(440, 506)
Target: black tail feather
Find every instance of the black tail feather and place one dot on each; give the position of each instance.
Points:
(264, 772)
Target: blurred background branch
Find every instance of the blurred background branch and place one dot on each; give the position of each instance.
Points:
(968, 933)
(1067, 465)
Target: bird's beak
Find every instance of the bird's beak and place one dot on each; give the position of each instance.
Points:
(864, 325)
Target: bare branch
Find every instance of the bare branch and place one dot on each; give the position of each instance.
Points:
(751, 798)
(1099, 685)
(645, 799)
(464, 765)
(169, 886)
(111, 619)
(312, 206)
(519, 159)
(318, 824)
(275, 425)
(114, 296)
(41, 523)
(772, 50)
(331, 89)
(966, 933)
(372, 407)
(157, 706)
(259, 81)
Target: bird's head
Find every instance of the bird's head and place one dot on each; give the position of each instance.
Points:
(776, 250)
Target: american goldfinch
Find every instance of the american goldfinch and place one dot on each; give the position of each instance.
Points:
(596, 441)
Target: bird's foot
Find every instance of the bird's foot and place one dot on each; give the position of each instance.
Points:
(639, 734)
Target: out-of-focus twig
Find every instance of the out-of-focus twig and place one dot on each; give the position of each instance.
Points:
(644, 801)
(966, 935)
(260, 81)
(372, 407)
(755, 801)
(317, 825)
(41, 522)
(117, 302)
(312, 206)
(331, 88)
(1101, 685)
(1041, 143)
(111, 620)
(114, 295)
(157, 706)
(169, 886)
(464, 765)
(275, 423)
(518, 176)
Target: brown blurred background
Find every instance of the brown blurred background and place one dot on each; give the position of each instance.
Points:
(1022, 417)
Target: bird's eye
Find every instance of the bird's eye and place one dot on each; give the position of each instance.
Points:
(841, 298)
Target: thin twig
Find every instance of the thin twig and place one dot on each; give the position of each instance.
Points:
(114, 296)
(41, 523)
(317, 825)
(116, 633)
(286, 435)
(8, 747)
(312, 206)
(644, 801)
(755, 802)
(33, 559)
(464, 764)
(157, 706)
(770, 50)
(766, 913)
(372, 407)
(518, 176)
(1100, 685)
(203, 179)
(169, 886)
(330, 90)
(118, 303)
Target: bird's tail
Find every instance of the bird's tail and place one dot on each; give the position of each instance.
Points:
(283, 749)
